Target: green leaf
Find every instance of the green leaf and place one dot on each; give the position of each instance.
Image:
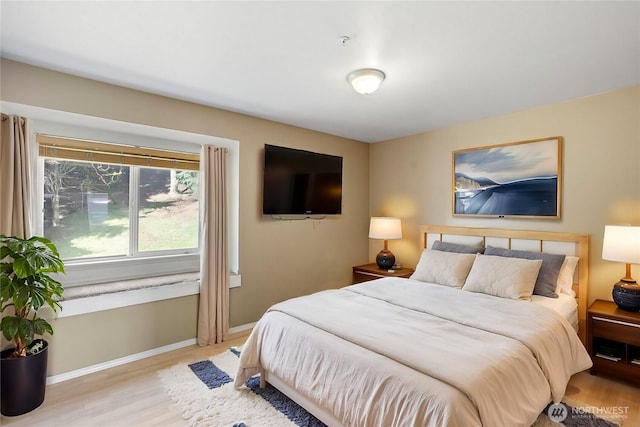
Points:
(4, 251)
(25, 330)
(9, 327)
(48, 243)
(22, 268)
(37, 299)
(21, 297)
(6, 289)
(41, 326)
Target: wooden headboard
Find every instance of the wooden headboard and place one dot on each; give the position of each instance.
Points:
(543, 241)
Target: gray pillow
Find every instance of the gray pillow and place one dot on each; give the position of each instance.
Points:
(457, 248)
(547, 280)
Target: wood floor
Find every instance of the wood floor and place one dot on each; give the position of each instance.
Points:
(132, 395)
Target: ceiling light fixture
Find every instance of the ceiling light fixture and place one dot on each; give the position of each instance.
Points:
(365, 80)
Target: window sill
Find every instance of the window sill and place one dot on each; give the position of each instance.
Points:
(108, 296)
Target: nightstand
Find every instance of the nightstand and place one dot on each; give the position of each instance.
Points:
(362, 273)
(613, 340)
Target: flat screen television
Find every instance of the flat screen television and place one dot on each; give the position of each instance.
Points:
(298, 182)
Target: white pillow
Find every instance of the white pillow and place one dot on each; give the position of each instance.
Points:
(565, 277)
(503, 277)
(443, 268)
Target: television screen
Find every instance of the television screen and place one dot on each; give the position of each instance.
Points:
(301, 182)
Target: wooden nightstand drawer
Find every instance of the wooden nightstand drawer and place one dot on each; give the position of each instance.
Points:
(359, 277)
(616, 330)
(613, 341)
(363, 273)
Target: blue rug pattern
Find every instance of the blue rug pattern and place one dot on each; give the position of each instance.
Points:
(214, 377)
(210, 374)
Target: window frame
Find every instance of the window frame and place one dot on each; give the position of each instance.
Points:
(94, 271)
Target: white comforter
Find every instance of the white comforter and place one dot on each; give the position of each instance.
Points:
(401, 352)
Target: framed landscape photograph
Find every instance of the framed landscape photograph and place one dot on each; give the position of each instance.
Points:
(519, 179)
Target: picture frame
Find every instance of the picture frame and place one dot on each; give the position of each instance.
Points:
(514, 180)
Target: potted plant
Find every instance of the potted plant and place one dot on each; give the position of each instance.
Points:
(25, 287)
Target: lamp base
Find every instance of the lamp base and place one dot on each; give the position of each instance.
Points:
(626, 295)
(385, 259)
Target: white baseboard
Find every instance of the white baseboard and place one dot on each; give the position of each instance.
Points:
(241, 328)
(134, 357)
(117, 362)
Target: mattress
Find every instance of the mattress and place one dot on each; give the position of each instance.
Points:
(565, 304)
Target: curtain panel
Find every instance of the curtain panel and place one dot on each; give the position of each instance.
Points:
(213, 313)
(15, 197)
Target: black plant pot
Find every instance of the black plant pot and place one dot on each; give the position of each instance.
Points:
(23, 381)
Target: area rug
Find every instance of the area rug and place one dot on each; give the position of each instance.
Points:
(204, 393)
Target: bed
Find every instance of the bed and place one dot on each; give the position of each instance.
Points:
(396, 352)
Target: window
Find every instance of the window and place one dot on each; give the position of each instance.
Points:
(119, 211)
(103, 210)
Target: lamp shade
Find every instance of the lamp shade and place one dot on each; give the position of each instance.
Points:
(385, 228)
(366, 80)
(621, 243)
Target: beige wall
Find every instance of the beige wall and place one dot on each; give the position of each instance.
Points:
(411, 178)
(94, 338)
(278, 259)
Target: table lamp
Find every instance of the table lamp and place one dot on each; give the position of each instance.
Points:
(385, 228)
(622, 243)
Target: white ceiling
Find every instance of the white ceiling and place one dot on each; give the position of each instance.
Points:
(446, 62)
